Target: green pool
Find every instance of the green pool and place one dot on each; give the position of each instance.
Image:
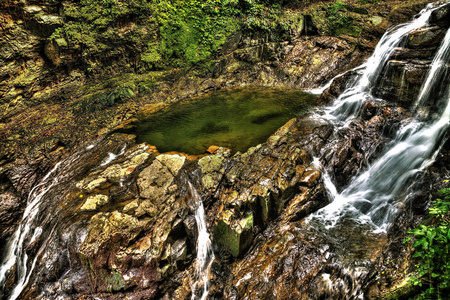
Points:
(236, 119)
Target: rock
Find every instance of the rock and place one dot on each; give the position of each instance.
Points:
(426, 37)
(212, 169)
(310, 177)
(156, 182)
(190, 227)
(146, 207)
(131, 206)
(172, 162)
(369, 109)
(51, 50)
(335, 89)
(284, 263)
(10, 210)
(179, 250)
(441, 14)
(235, 236)
(93, 202)
(402, 81)
(405, 54)
(212, 149)
(258, 199)
(94, 184)
(104, 226)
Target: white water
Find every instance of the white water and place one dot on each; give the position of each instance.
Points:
(15, 249)
(31, 233)
(112, 156)
(349, 102)
(205, 255)
(370, 198)
(436, 72)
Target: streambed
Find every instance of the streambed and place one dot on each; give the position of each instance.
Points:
(236, 119)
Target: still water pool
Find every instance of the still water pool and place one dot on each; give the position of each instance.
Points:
(236, 119)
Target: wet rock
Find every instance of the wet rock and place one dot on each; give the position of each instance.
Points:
(336, 88)
(402, 81)
(426, 37)
(93, 202)
(179, 250)
(10, 210)
(103, 226)
(441, 15)
(156, 182)
(287, 257)
(212, 169)
(116, 172)
(259, 184)
(235, 236)
(369, 109)
(51, 50)
(405, 53)
(190, 227)
(259, 203)
(212, 149)
(310, 177)
(94, 184)
(130, 207)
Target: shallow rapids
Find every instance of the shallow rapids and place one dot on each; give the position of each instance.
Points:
(371, 197)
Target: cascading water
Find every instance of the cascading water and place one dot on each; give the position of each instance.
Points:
(15, 249)
(205, 255)
(370, 196)
(39, 222)
(436, 73)
(350, 101)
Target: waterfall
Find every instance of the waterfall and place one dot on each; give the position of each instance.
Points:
(350, 101)
(39, 221)
(436, 72)
(15, 250)
(205, 255)
(370, 197)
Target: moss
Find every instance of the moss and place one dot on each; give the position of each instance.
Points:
(234, 236)
(115, 282)
(404, 290)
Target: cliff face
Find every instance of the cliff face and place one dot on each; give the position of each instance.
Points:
(125, 229)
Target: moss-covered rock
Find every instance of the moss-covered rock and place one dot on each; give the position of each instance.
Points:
(234, 235)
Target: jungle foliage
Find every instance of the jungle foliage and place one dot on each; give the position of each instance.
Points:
(431, 248)
(163, 33)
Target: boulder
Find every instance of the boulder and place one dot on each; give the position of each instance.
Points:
(234, 235)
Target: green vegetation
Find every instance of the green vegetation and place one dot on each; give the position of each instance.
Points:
(339, 21)
(362, 2)
(431, 248)
(162, 34)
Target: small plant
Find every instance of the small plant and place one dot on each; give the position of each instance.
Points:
(431, 248)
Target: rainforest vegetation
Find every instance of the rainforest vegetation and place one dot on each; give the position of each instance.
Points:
(177, 33)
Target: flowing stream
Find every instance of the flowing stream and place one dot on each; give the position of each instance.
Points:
(39, 222)
(370, 197)
(205, 255)
(15, 250)
(349, 102)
